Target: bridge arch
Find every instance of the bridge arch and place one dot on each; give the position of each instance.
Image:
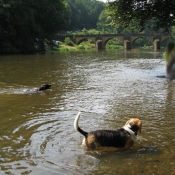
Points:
(133, 39)
(106, 39)
(78, 41)
(112, 42)
(167, 37)
(147, 41)
(165, 40)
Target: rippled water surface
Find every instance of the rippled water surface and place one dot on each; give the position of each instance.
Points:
(36, 129)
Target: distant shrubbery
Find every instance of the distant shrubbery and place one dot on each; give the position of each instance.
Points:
(68, 41)
(80, 47)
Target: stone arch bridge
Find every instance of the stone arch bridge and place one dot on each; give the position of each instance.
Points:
(127, 40)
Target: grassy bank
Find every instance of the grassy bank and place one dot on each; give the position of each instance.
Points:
(84, 46)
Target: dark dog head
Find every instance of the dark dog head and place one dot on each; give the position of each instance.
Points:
(44, 87)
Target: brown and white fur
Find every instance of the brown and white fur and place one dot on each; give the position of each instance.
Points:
(121, 138)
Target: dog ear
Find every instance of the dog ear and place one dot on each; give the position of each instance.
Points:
(140, 125)
(130, 120)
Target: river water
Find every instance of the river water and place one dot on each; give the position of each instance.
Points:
(109, 87)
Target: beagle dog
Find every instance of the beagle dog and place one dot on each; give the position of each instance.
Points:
(121, 138)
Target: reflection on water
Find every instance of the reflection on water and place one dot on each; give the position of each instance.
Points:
(36, 129)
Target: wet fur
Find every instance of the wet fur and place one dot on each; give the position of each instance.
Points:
(41, 88)
(120, 138)
(44, 87)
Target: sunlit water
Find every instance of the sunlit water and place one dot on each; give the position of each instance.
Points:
(36, 129)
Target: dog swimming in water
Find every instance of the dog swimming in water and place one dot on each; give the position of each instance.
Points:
(41, 88)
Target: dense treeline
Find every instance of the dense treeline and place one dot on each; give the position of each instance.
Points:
(25, 23)
(84, 13)
(139, 12)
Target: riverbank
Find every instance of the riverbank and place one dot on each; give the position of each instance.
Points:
(84, 46)
(88, 45)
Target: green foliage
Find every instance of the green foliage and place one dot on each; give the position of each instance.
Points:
(89, 43)
(26, 23)
(93, 32)
(68, 41)
(80, 47)
(146, 47)
(104, 22)
(84, 31)
(173, 29)
(141, 42)
(139, 12)
(84, 13)
(86, 45)
(114, 42)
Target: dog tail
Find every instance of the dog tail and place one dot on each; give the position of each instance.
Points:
(77, 127)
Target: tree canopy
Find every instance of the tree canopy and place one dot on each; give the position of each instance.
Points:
(84, 13)
(26, 22)
(139, 12)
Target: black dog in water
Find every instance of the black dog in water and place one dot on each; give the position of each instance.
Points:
(42, 88)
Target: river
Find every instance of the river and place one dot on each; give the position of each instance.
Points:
(109, 87)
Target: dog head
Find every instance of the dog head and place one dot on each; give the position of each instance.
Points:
(134, 124)
(44, 87)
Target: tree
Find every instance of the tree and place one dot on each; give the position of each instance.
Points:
(26, 22)
(84, 13)
(125, 12)
(103, 21)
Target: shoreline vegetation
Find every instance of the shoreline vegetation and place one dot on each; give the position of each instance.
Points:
(69, 46)
(26, 25)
